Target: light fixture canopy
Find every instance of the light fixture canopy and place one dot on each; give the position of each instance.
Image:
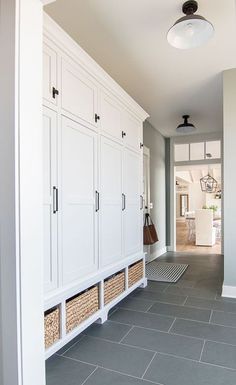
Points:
(190, 31)
(185, 127)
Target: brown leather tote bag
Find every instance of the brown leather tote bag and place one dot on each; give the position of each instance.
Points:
(149, 232)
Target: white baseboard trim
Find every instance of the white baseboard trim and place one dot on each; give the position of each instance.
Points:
(157, 254)
(169, 248)
(229, 291)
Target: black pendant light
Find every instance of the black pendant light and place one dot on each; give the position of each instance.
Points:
(209, 184)
(191, 30)
(185, 127)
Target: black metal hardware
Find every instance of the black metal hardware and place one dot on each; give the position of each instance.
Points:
(123, 134)
(54, 92)
(141, 201)
(97, 201)
(97, 117)
(141, 145)
(55, 200)
(123, 202)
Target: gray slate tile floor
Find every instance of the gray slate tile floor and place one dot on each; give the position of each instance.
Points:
(166, 334)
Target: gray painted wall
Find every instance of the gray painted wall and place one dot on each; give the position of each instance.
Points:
(156, 143)
(229, 177)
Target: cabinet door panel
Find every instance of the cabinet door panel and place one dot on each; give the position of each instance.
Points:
(133, 130)
(50, 179)
(111, 202)
(79, 93)
(111, 116)
(78, 185)
(49, 73)
(132, 212)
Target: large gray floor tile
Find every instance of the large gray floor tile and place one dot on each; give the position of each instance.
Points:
(192, 292)
(178, 371)
(211, 304)
(106, 377)
(71, 343)
(181, 311)
(136, 304)
(157, 286)
(219, 354)
(165, 343)
(63, 371)
(147, 320)
(223, 318)
(185, 283)
(161, 297)
(108, 331)
(204, 330)
(111, 355)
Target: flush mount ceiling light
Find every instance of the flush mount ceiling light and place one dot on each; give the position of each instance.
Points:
(185, 127)
(190, 31)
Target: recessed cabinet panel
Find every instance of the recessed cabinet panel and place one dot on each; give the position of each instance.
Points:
(78, 184)
(50, 180)
(79, 92)
(111, 116)
(132, 213)
(49, 74)
(213, 149)
(133, 131)
(197, 151)
(111, 202)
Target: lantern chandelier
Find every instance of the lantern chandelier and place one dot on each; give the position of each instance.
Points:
(209, 184)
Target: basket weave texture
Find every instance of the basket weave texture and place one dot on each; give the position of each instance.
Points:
(113, 287)
(51, 327)
(81, 307)
(135, 273)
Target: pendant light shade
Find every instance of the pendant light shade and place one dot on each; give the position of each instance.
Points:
(191, 30)
(209, 184)
(185, 127)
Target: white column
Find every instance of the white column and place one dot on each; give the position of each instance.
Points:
(21, 224)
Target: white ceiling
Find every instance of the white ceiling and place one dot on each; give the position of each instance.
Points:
(193, 173)
(128, 39)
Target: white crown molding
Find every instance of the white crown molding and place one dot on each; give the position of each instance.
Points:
(54, 32)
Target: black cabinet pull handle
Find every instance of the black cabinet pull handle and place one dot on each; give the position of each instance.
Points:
(141, 145)
(55, 200)
(123, 202)
(141, 201)
(123, 134)
(97, 201)
(97, 117)
(54, 92)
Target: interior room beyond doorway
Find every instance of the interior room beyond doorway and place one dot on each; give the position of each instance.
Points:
(198, 212)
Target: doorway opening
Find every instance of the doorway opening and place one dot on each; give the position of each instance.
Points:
(198, 208)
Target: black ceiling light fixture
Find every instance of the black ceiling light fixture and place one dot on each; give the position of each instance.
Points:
(185, 127)
(209, 184)
(190, 31)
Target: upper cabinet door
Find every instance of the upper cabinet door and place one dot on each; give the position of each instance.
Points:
(110, 224)
(79, 93)
(49, 216)
(111, 116)
(49, 74)
(78, 207)
(133, 131)
(133, 212)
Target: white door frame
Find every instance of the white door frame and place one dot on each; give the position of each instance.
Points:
(21, 194)
(146, 153)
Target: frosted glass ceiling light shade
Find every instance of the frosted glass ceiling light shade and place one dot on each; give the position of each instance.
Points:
(185, 127)
(191, 30)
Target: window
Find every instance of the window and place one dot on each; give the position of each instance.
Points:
(213, 150)
(181, 152)
(197, 151)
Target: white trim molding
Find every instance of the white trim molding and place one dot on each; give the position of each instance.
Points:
(46, 2)
(229, 291)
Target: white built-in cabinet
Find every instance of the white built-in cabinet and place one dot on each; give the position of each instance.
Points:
(92, 166)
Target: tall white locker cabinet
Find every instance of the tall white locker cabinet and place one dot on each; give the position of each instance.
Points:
(93, 210)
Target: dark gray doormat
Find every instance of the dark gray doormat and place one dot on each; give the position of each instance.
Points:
(165, 272)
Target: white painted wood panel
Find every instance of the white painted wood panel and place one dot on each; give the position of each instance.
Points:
(132, 213)
(111, 115)
(49, 181)
(50, 63)
(78, 186)
(111, 202)
(79, 92)
(133, 130)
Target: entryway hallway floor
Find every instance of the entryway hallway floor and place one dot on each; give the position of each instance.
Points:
(168, 334)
